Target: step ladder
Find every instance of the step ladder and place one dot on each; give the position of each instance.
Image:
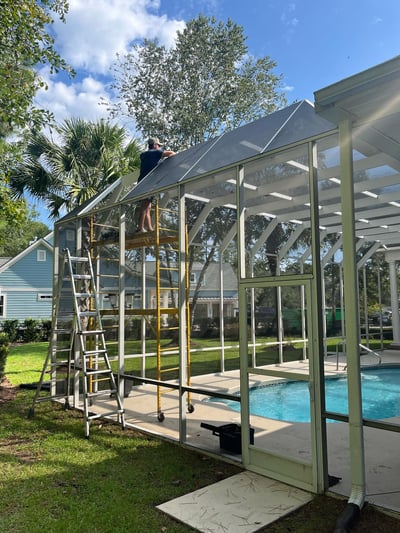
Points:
(87, 351)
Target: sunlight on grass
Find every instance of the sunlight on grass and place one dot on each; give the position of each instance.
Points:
(25, 362)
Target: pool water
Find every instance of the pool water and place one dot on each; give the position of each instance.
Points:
(290, 401)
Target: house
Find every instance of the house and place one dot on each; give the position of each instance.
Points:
(26, 282)
(26, 285)
(209, 295)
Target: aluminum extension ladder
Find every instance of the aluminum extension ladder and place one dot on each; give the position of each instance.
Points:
(86, 349)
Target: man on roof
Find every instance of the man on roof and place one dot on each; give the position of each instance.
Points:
(148, 161)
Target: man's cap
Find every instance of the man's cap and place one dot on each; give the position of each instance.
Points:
(153, 140)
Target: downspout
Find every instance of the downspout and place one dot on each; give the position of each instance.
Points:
(356, 500)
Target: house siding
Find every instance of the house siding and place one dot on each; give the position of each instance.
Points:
(22, 305)
(23, 281)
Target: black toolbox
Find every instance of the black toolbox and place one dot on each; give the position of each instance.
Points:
(230, 436)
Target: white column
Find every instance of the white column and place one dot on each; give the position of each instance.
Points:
(350, 278)
(394, 298)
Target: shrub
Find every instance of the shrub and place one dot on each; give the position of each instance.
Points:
(31, 332)
(206, 328)
(45, 330)
(4, 342)
(10, 327)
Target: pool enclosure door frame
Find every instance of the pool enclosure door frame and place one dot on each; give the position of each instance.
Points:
(309, 475)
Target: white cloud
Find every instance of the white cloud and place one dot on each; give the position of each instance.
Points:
(94, 32)
(80, 99)
(97, 29)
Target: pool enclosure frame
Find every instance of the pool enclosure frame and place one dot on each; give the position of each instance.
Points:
(293, 178)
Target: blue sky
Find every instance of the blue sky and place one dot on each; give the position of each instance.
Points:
(314, 42)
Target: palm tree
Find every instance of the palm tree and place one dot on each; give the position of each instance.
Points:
(86, 159)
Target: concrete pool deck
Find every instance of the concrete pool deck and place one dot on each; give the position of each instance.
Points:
(382, 456)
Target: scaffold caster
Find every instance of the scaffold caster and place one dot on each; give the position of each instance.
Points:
(161, 416)
(190, 408)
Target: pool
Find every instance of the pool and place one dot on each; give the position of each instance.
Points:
(290, 401)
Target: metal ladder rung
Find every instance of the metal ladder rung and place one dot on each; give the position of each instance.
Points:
(164, 370)
(82, 276)
(60, 350)
(83, 295)
(79, 259)
(95, 416)
(95, 352)
(168, 311)
(172, 269)
(87, 332)
(163, 350)
(87, 313)
(98, 372)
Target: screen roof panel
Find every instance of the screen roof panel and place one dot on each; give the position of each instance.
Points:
(291, 124)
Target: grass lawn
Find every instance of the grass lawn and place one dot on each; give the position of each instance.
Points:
(52, 479)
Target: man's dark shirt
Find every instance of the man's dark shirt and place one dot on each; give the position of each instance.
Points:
(149, 160)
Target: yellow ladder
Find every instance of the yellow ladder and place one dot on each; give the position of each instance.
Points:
(167, 287)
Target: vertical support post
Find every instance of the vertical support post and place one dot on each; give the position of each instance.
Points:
(121, 306)
(364, 271)
(78, 356)
(182, 308)
(394, 300)
(253, 320)
(316, 340)
(221, 310)
(243, 348)
(350, 279)
(145, 305)
(58, 259)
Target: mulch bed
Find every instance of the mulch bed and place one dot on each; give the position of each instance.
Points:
(7, 391)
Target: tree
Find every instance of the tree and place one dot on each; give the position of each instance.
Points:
(26, 43)
(203, 86)
(15, 238)
(212, 233)
(88, 157)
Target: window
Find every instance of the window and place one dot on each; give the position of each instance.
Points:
(44, 297)
(194, 277)
(41, 255)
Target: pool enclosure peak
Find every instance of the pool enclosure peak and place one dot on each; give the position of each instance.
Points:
(291, 124)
